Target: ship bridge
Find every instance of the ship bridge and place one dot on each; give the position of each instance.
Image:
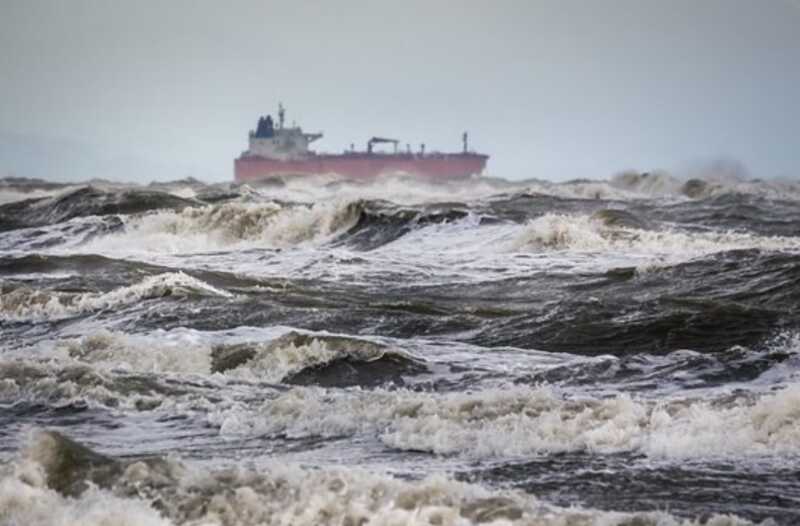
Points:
(280, 142)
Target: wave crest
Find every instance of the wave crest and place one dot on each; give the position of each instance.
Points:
(27, 304)
(521, 421)
(604, 232)
(313, 359)
(104, 490)
(230, 225)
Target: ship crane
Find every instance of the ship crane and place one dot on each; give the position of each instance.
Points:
(379, 140)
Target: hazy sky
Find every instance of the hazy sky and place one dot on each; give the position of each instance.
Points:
(556, 89)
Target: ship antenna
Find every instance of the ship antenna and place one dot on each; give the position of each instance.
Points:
(281, 115)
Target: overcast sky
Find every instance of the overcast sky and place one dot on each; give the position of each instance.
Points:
(550, 89)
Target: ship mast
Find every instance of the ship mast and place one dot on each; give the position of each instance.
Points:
(281, 115)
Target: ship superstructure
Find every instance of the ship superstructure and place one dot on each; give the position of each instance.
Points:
(276, 150)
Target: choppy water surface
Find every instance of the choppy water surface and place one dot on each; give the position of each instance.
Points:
(325, 352)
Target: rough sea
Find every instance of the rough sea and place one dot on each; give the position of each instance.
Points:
(318, 351)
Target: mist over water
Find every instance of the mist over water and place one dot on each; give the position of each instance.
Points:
(323, 351)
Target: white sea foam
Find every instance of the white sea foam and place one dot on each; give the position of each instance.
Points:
(658, 184)
(586, 233)
(33, 304)
(140, 353)
(275, 355)
(229, 225)
(290, 496)
(626, 186)
(24, 504)
(284, 494)
(64, 383)
(276, 360)
(585, 190)
(272, 360)
(400, 190)
(522, 421)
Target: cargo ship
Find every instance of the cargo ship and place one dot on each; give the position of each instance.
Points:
(276, 150)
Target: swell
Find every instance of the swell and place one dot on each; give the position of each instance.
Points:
(78, 263)
(86, 201)
(719, 179)
(59, 236)
(740, 297)
(680, 488)
(775, 361)
(739, 212)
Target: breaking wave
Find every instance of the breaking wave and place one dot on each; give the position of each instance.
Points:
(27, 304)
(293, 358)
(229, 225)
(59, 477)
(718, 179)
(512, 422)
(603, 232)
(12, 195)
(57, 386)
(148, 354)
(82, 202)
(315, 359)
(495, 332)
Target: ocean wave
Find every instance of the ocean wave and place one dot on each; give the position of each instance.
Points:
(778, 364)
(708, 304)
(403, 190)
(298, 358)
(626, 186)
(60, 236)
(28, 304)
(140, 353)
(741, 212)
(381, 223)
(57, 477)
(292, 357)
(85, 201)
(657, 184)
(11, 195)
(718, 179)
(600, 233)
(512, 422)
(230, 225)
(54, 386)
(663, 186)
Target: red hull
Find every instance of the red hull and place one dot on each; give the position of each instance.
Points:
(364, 166)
